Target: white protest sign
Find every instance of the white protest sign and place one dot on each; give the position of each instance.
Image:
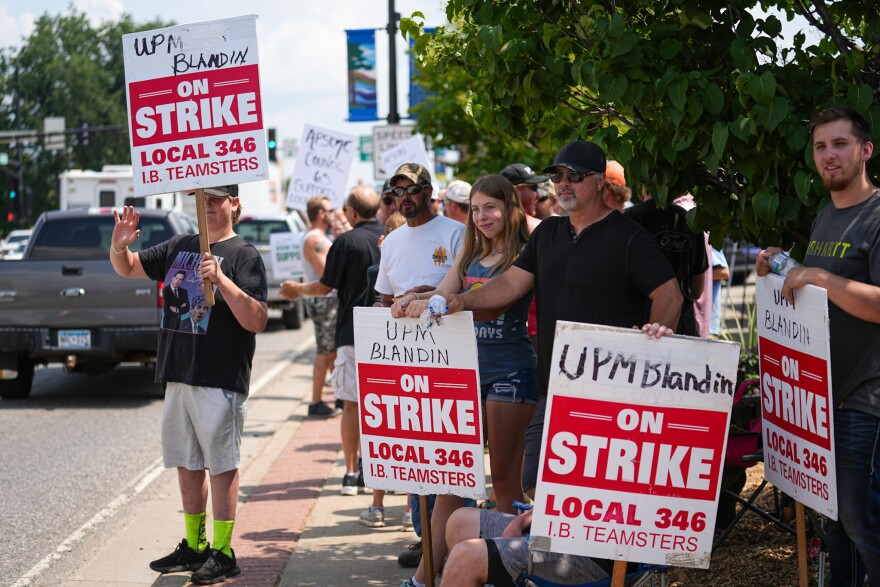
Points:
(287, 255)
(385, 137)
(195, 116)
(420, 421)
(323, 163)
(411, 150)
(633, 445)
(798, 422)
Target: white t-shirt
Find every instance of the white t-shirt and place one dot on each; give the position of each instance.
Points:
(419, 256)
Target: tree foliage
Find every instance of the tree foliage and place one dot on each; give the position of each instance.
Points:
(69, 68)
(703, 97)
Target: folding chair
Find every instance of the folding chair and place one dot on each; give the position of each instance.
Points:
(744, 450)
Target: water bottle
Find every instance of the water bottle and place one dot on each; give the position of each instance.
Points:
(781, 263)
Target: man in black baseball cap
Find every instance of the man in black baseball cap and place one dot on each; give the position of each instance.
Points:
(525, 182)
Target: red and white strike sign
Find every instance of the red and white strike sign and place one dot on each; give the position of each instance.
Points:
(420, 422)
(195, 115)
(795, 364)
(633, 445)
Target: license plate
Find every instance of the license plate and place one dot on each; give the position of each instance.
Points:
(74, 339)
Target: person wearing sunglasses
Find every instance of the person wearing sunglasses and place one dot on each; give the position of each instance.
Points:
(525, 182)
(387, 204)
(594, 266)
(415, 258)
(545, 205)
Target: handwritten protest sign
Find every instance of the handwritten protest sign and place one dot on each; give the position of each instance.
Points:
(420, 421)
(287, 255)
(633, 445)
(195, 116)
(796, 405)
(322, 166)
(385, 137)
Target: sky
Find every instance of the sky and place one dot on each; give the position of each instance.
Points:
(303, 75)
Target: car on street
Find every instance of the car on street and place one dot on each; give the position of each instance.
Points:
(257, 229)
(12, 247)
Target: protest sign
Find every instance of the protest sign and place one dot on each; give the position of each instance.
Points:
(287, 256)
(420, 422)
(195, 115)
(633, 445)
(385, 137)
(322, 167)
(798, 422)
(412, 150)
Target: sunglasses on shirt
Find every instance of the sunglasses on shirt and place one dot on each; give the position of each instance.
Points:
(571, 176)
(411, 190)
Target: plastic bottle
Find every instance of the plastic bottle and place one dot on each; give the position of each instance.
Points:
(781, 263)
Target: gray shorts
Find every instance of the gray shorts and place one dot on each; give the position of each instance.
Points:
(322, 312)
(344, 378)
(201, 428)
(566, 569)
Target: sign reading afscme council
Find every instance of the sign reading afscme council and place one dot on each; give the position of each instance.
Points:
(633, 445)
(195, 116)
(420, 422)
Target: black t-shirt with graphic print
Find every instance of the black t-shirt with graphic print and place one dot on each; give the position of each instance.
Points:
(210, 350)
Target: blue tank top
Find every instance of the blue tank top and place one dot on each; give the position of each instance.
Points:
(503, 344)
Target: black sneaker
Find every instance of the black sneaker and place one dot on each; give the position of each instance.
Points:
(350, 484)
(182, 559)
(340, 404)
(216, 569)
(323, 410)
(411, 557)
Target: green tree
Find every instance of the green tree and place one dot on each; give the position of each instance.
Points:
(69, 68)
(703, 97)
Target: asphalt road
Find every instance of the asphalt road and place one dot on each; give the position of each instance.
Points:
(77, 444)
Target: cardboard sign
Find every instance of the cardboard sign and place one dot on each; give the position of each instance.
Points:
(420, 421)
(633, 445)
(322, 167)
(796, 406)
(195, 115)
(287, 255)
(385, 137)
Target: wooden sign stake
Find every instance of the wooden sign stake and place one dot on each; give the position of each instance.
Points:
(204, 241)
(427, 546)
(618, 576)
(801, 543)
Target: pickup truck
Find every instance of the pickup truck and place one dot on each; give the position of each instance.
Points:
(64, 303)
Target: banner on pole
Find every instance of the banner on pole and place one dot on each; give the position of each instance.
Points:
(420, 420)
(195, 115)
(361, 45)
(633, 445)
(417, 93)
(797, 412)
(323, 163)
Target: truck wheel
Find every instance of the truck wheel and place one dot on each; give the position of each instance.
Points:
(20, 387)
(293, 318)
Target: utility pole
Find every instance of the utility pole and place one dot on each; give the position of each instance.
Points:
(393, 116)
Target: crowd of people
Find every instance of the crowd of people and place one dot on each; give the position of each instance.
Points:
(520, 250)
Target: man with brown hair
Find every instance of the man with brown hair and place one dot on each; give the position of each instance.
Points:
(321, 309)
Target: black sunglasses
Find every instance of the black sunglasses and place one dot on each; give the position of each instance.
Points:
(387, 200)
(571, 176)
(543, 198)
(411, 190)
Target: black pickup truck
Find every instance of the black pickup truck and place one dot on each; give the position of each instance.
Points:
(64, 303)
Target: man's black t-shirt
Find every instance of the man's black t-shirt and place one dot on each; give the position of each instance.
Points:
(222, 355)
(604, 276)
(684, 249)
(349, 258)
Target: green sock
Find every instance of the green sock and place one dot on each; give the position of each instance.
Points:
(223, 536)
(195, 531)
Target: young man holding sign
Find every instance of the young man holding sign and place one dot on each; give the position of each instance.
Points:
(206, 376)
(844, 258)
(594, 266)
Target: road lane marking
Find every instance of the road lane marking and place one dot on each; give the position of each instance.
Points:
(142, 481)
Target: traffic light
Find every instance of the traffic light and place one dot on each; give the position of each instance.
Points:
(272, 143)
(12, 186)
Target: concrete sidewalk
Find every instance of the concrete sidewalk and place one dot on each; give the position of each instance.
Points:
(293, 527)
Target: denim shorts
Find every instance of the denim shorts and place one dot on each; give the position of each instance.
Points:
(519, 387)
